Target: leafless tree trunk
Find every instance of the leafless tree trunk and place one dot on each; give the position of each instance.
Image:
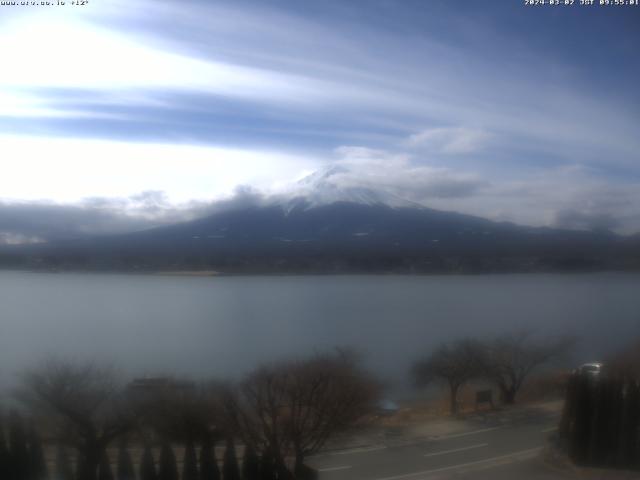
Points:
(510, 359)
(85, 404)
(454, 364)
(293, 408)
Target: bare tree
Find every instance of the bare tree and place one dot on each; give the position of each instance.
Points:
(452, 363)
(183, 411)
(84, 403)
(626, 362)
(327, 394)
(509, 359)
(293, 408)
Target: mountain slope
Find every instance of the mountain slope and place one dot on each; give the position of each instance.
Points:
(338, 237)
(328, 223)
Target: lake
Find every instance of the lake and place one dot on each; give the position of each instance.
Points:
(224, 326)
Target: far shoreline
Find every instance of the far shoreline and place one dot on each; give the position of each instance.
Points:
(188, 273)
(319, 273)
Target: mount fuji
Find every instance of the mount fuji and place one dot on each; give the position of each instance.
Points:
(324, 224)
(327, 186)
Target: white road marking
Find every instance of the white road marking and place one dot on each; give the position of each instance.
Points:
(444, 452)
(464, 434)
(359, 450)
(333, 469)
(467, 464)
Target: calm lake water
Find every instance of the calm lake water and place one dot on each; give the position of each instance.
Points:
(223, 326)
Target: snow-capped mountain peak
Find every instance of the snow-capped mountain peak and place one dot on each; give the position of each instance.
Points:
(336, 183)
(322, 176)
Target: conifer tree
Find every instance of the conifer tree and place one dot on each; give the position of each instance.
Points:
(283, 473)
(37, 462)
(18, 450)
(125, 470)
(582, 421)
(631, 433)
(82, 471)
(190, 463)
(168, 467)
(230, 469)
(104, 467)
(148, 465)
(250, 464)
(267, 466)
(4, 453)
(208, 464)
(62, 469)
(304, 472)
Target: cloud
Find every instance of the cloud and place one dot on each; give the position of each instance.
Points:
(33, 222)
(580, 220)
(370, 159)
(41, 221)
(12, 238)
(571, 197)
(397, 173)
(344, 78)
(193, 99)
(574, 197)
(69, 170)
(104, 59)
(21, 222)
(450, 140)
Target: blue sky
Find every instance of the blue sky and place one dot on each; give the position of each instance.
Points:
(149, 110)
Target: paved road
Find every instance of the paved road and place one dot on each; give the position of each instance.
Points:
(503, 451)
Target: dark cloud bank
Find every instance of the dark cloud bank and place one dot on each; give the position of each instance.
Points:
(31, 222)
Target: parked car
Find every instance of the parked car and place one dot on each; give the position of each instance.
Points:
(593, 369)
(387, 407)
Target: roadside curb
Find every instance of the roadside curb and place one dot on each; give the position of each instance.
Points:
(552, 459)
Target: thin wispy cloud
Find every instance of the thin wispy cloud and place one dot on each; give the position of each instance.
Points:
(458, 140)
(195, 98)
